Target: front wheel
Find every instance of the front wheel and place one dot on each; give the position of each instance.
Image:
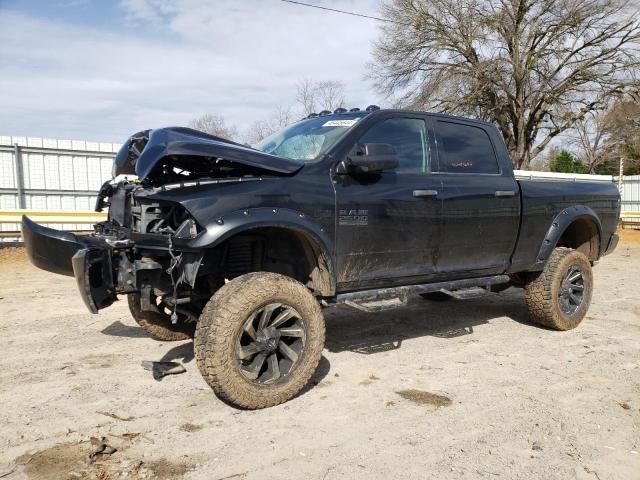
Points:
(559, 297)
(259, 340)
(157, 321)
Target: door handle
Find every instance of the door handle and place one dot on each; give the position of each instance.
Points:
(505, 193)
(425, 193)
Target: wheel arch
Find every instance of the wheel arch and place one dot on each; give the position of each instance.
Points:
(313, 239)
(576, 227)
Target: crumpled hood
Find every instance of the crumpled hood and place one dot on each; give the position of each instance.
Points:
(144, 151)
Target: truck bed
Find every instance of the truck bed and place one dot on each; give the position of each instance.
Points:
(543, 200)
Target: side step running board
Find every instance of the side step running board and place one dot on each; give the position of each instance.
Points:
(468, 293)
(405, 291)
(377, 305)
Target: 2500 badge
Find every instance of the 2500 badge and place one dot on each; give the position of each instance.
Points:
(353, 217)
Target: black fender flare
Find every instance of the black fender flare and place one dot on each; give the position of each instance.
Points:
(560, 224)
(232, 223)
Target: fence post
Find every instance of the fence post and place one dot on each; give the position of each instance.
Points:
(620, 174)
(17, 153)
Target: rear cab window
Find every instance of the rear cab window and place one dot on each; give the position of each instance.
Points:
(464, 148)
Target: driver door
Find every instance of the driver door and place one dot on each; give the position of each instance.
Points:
(388, 224)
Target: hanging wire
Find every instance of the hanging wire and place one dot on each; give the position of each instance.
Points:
(344, 12)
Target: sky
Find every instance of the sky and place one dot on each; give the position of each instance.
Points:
(101, 70)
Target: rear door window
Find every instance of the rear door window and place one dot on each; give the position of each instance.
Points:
(465, 149)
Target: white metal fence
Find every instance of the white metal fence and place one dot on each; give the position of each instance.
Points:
(49, 174)
(631, 193)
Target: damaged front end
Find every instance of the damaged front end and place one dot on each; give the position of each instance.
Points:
(141, 249)
(65, 253)
(146, 245)
(176, 155)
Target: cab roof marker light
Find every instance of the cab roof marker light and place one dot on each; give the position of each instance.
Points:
(312, 115)
(324, 112)
(355, 109)
(340, 110)
(372, 108)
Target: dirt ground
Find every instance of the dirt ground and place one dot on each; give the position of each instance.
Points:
(463, 389)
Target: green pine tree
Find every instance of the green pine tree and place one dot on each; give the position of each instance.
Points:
(563, 161)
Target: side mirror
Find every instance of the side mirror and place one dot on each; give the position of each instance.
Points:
(370, 158)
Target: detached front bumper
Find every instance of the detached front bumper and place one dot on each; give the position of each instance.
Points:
(87, 258)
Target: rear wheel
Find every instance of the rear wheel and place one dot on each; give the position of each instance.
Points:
(157, 322)
(559, 297)
(259, 340)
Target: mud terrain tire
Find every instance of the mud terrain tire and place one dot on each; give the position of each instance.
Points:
(236, 314)
(158, 324)
(559, 297)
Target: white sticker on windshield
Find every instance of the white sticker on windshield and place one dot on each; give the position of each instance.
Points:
(340, 123)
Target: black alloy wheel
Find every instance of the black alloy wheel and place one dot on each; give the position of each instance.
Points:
(558, 297)
(271, 343)
(571, 291)
(259, 339)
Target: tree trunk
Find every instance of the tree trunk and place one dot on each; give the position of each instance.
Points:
(521, 157)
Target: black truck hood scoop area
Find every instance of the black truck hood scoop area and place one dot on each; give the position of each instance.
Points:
(169, 154)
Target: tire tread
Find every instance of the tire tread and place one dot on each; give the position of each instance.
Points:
(214, 343)
(156, 324)
(540, 294)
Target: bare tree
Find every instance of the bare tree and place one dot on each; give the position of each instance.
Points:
(330, 94)
(323, 95)
(306, 96)
(591, 138)
(622, 125)
(607, 135)
(214, 125)
(534, 67)
(265, 127)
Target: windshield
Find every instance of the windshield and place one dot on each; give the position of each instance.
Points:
(308, 139)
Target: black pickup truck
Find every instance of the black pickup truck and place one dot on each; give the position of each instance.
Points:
(242, 247)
